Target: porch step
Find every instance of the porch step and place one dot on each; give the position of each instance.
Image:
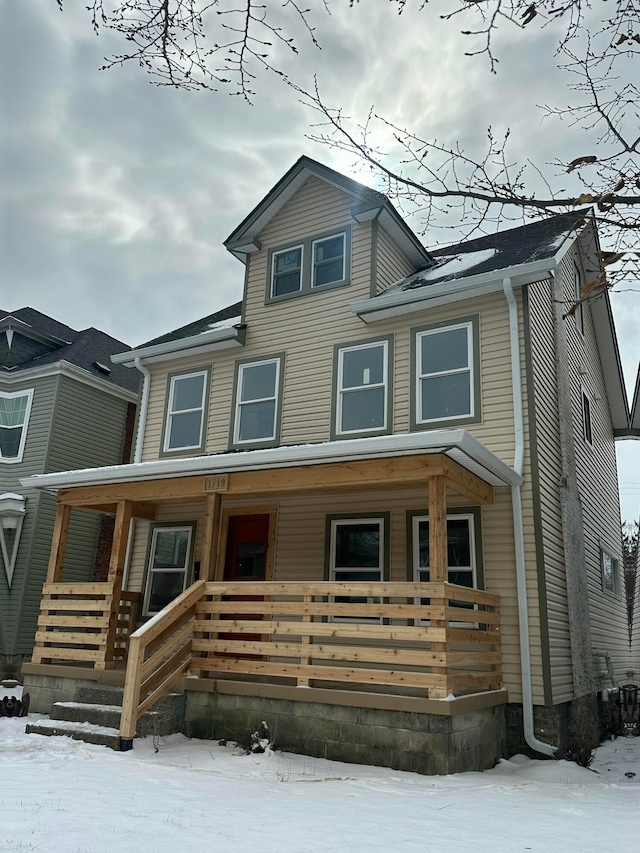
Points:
(87, 732)
(164, 719)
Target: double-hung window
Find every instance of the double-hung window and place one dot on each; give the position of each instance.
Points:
(257, 400)
(329, 260)
(186, 405)
(362, 389)
(587, 428)
(286, 271)
(356, 553)
(577, 295)
(169, 565)
(315, 263)
(445, 374)
(15, 409)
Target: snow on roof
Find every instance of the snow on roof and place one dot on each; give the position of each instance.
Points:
(450, 266)
(224, 324)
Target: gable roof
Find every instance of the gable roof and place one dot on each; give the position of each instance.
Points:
(368, 204)
(89, 349)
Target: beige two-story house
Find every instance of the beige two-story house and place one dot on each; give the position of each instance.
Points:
(378, 494)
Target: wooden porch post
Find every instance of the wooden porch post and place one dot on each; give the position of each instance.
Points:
(209, 560)
(58, 543)
(116, 570)
(438, 565)
(437, 530)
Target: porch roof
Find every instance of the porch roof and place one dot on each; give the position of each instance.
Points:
(457, 444)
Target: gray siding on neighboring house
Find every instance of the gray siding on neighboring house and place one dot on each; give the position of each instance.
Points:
(33, 462)
(72, 425)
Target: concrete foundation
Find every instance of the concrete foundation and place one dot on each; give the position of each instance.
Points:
(557, 725)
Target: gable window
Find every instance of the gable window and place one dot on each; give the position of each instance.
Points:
(186, 404)
(609, 566)
(169, 563)
(286, 272)
(15, 409)
(362, 389)
(586, 419)
(357, 552)
(257, 399)
(446, 380)
(328, 260)
(316, 263)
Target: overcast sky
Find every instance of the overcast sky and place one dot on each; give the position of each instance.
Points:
(116, 195)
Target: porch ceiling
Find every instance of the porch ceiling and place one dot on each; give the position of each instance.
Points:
(370, 474)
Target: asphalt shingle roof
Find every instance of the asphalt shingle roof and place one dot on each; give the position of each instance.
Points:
(198, 326)
(81, 348)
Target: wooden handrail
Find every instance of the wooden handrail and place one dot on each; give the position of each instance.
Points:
(306, 631)
(140, 691)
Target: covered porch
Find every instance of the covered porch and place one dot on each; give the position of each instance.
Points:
(416, 638)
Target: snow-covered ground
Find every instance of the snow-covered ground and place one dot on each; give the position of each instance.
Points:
(63, 796)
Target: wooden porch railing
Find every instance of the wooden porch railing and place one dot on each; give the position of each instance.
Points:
(82, 623)
(437, 637)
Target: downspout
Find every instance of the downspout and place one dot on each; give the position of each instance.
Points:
(137, 454)
(518, 528)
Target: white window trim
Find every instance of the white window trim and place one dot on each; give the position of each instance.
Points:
(577, 287)
(615, 570)
(171, 412)
(586, 396)
(239, 402)
(151, 571)
(314, 243)
(470, 369)
(28, 393)
(273, 270)
(340, 390)
(415, 545)
(339, 522)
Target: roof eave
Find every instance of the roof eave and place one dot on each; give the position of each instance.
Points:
(215, 339)
(454, 442)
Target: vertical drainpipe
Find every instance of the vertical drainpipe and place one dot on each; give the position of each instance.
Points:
(137, 454)
(518, 529)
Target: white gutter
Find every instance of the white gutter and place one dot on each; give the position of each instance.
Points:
(518, 527)
(457, 443)
(215, 339)
(384, 306)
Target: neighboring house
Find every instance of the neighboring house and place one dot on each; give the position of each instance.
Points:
(63, 404)
(401, 457)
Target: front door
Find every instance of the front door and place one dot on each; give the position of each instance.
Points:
(247, 543)
(246, 560)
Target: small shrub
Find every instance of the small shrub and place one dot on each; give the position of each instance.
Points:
(576, 750)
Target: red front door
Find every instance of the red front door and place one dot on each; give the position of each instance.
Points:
(246, 560)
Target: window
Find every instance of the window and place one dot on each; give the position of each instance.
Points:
(15, 409)
(461, 559)
(362, 392)
(586, 419)
(445, 374)
(577, 288)
(314, 264)
(328, 260)
(257, 402)
(286, 272)
(357, 552)
(609, 573)
(184, 428)
(168, 565)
